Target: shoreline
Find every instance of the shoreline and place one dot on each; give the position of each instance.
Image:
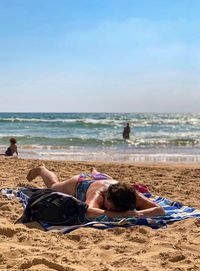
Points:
(29, 247)
(106, 155)
(99, 162)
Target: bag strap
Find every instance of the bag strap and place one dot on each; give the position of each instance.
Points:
(40, 198)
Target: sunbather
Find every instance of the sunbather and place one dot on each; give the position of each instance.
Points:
(101, 192)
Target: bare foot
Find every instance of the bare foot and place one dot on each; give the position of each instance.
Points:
(33, 173)
(94, 171)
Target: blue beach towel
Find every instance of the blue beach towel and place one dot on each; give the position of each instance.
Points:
(175, 211)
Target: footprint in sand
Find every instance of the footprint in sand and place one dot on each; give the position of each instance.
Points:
(41, 261)
(175, 257)
(7, 232)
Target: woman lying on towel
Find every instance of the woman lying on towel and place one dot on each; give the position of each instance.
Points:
(102, 193)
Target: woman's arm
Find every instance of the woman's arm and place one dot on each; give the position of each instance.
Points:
(151, 212)
(95, 212)
(144, 206)
(147, 208)
(95, 203)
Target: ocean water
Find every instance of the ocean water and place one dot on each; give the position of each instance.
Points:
(98, 136)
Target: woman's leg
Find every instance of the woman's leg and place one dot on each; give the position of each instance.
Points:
(48, 176)
(94, 171)
(51, 180)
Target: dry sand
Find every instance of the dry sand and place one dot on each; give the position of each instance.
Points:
(29, 247)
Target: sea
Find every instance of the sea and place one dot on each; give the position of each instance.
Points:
(93, 137)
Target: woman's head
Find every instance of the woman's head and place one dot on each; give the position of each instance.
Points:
(122, 196)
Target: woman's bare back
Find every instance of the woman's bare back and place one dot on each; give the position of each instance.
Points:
(95, 195)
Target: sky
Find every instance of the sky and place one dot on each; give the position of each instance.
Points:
(99, 56)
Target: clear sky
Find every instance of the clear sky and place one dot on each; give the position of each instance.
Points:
(100, 56)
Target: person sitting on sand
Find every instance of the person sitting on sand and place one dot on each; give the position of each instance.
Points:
(102, 193)
(12, 148)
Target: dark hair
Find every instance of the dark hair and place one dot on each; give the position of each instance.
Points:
(13, 140)
(122, 196)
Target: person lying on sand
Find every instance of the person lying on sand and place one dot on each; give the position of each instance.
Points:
(102, 193)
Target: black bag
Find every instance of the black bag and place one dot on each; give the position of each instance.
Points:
(46, 205)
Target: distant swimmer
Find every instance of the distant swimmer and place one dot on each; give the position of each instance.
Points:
(126, 131)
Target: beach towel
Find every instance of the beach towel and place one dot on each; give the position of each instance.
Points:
(175, 211)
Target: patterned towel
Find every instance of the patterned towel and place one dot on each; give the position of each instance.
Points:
(175, 211)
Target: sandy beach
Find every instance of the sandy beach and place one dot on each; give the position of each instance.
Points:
(29, 247)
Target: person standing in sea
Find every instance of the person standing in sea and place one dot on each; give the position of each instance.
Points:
(126, 131)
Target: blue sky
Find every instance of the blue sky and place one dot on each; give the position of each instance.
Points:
(99, 56)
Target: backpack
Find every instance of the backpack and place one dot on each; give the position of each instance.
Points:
(48, 206)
